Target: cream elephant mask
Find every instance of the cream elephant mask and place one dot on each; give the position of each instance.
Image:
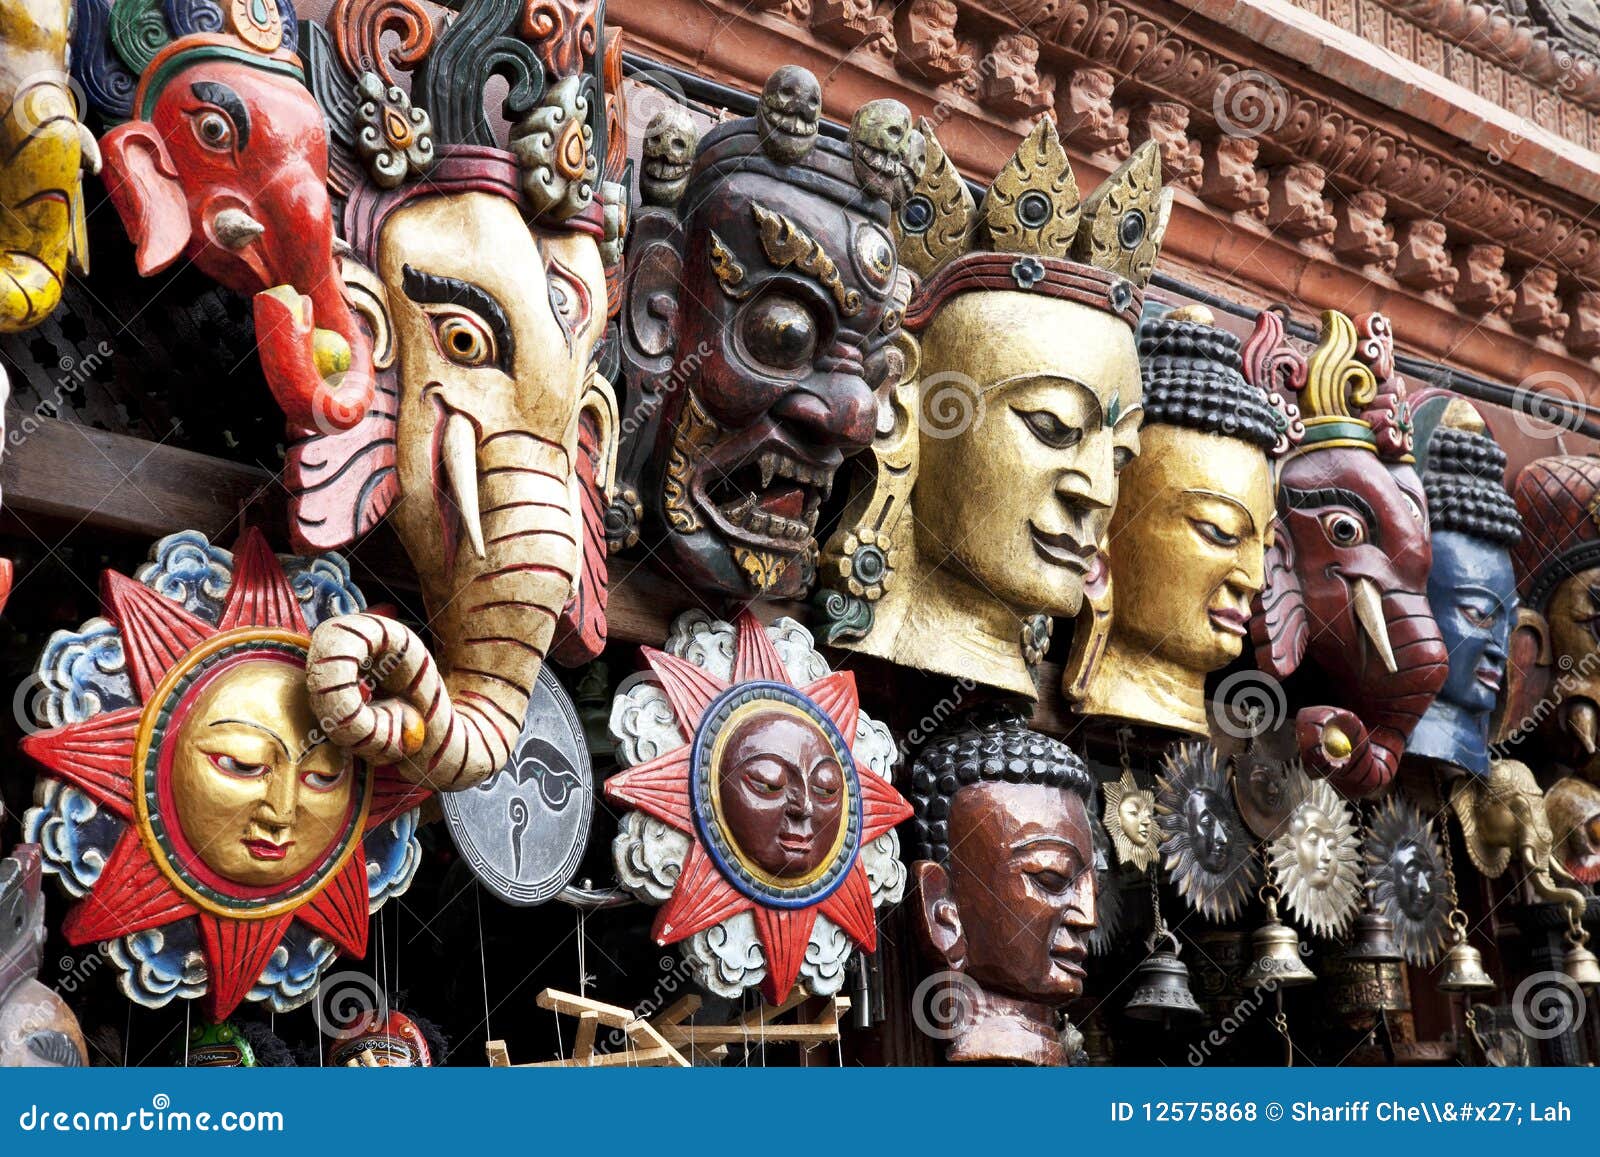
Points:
(490, 430)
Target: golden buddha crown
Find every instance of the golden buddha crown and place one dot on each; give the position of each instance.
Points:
(1034, 226)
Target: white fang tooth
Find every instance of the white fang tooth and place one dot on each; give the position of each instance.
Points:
(235, 228)
(459, 451)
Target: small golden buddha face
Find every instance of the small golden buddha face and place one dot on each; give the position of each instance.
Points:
(260, 795)
(1020, 494)
(1187, 545)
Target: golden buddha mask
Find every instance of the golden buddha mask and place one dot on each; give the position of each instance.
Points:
(1187, 541)
(1018, 407)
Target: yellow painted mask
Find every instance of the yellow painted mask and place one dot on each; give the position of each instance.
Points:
(1187, 540)
(44, 146)
(1018, 407)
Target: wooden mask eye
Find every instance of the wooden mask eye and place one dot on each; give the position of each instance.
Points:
(780, 332)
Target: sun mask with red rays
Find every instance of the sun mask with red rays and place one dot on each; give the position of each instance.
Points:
(221, 815)
(768, 820)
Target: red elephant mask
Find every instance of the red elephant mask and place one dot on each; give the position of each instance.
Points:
(1348, 560)
(225, 163)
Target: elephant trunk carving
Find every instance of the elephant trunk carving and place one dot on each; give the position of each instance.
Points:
(1398, 661)
(451, 725)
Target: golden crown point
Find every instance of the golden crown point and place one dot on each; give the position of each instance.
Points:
(1033, 208)
(937, 223)
(1033, 205)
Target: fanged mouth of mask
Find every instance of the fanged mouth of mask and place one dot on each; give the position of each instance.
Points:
(880, 161)
(794, 124)
(774, 497)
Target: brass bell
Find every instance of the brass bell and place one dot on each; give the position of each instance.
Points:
(1161, 985)
(1277, 954)
(1580, 964)
(1463, 968)
(1372, 940)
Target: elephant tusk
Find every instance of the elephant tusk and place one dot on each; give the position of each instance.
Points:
(459, 449)
(235, 228)
(1581, 722)
(1369, 611)
(88, 150)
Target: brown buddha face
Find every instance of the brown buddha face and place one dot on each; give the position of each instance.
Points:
(781, 793)
(260, 797)
(1022, 874)
(1187, 545)
(1020, 496)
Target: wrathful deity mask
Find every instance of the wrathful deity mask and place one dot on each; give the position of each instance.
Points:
(1347, 567)
(1187, 540)
(1017, 409)
(1471, 586)
(223, 161)
(489, 442)
(761, 305)
(43, 147)
(1006, 884)
(760, 812)
(192, 796)
(1556, 644)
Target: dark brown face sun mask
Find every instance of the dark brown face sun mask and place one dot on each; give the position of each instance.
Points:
(782, 793)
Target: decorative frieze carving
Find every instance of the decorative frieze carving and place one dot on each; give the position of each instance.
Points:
(1230, 179)
(854, 24)
(1167, 123)
(1423, 259)
(926, 41)
(1295, 204)
(1536, 307)
(1583, 334)
(1484, 286)
(1361, 236)
(1087, 118)
(1013, 86)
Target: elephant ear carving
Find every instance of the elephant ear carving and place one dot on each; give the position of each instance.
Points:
(342, 483)
(581, 631)
(149, 197)
(1529, 674)
(1278, 625)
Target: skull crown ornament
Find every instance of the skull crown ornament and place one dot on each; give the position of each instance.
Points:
(1016, 406)
(763, 300)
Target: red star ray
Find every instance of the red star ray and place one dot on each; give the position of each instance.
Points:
(702, 898)
(96, 755)
(392, 795)
(339, 911)
(236, 953)
(261, 595)
(836, 694)
(784, 934)
(131, 895)
(659, 788)
(850, 907)
(156, 632)
(754, 655)
(881, 806)
(690, 688)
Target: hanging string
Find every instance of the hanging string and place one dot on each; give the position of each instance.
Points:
(583, 955)
(321, 1012)
(187, 1005)
(483, 963)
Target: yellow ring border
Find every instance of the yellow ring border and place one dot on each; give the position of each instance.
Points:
(141, 751)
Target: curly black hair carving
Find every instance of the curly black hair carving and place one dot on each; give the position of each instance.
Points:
(1192, 378)
(1462, 481)
(993, 746)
